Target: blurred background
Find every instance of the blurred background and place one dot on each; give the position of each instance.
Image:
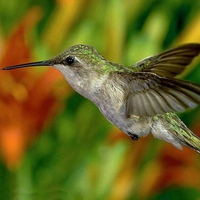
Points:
(54, 144)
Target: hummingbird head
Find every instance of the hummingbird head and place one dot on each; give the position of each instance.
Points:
(81, 65)
(77, 56)
(79, 59)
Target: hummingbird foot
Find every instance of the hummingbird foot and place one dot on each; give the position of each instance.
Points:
(133, 136)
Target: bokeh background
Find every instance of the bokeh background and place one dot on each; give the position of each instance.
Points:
(54, 144)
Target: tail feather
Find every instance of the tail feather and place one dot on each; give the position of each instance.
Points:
(170, 128)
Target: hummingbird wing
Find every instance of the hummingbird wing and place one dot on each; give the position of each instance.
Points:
(171, 62)
(150, 94)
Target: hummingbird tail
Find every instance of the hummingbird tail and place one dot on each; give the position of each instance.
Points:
(170, 128)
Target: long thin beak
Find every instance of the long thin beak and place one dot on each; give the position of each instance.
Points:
(32, 64)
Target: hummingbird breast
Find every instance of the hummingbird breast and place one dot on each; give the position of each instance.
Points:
(109, 93)
(111, 100)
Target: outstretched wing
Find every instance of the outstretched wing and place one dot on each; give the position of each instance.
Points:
(169, 63)
(151, 94)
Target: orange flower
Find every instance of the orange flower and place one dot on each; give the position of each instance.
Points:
(27, 100)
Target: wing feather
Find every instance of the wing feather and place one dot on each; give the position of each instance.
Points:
(151, 94)
(169, 63)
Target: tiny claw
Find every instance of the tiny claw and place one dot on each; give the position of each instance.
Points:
(134, 136)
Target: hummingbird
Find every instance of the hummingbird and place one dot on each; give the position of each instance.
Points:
(139, 99)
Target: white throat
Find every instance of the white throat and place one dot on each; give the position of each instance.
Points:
(86, 84)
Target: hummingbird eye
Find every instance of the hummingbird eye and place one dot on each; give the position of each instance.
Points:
(69, 60)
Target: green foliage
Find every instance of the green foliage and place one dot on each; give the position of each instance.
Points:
(177, 193)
